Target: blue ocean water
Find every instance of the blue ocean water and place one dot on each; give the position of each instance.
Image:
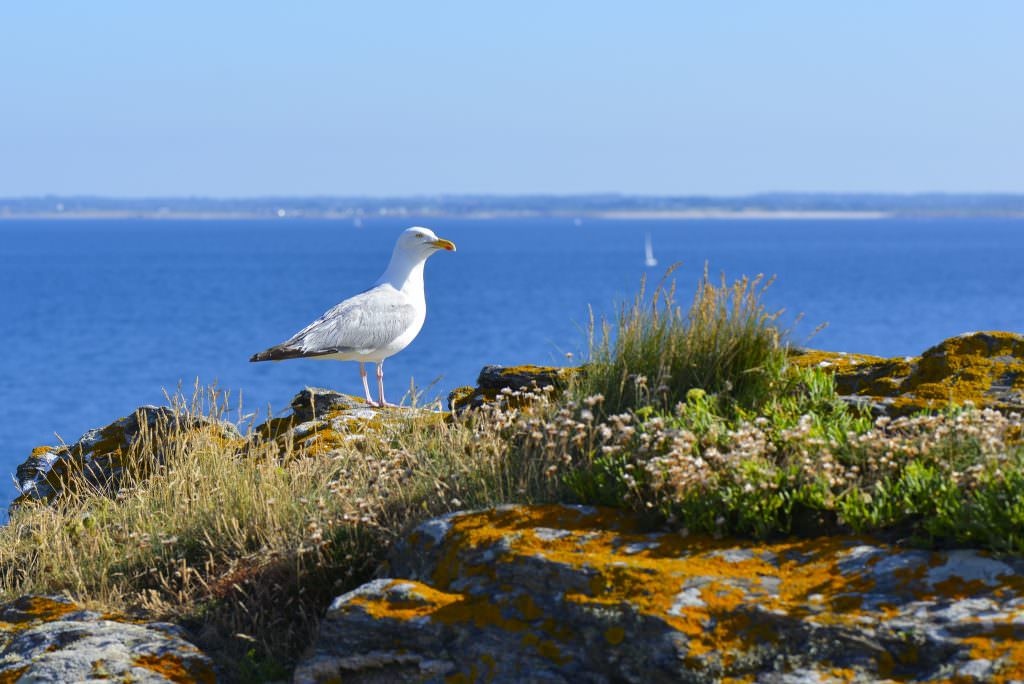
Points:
(99, 317)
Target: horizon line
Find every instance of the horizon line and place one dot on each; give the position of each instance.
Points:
(517, 195)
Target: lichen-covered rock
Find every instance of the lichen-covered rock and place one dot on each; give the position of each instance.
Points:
(566, 594)
(985, 368)
(47, 639)
(493, 379)
(99, 455)
(323, 420)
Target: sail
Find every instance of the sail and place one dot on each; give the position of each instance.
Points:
(649, 259)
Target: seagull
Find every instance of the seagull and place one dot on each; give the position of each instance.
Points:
(374, 324)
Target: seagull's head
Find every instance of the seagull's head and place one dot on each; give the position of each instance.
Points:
(422, 242)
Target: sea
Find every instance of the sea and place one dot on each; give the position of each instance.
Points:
(98, 317)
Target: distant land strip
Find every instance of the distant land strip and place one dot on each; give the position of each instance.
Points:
(604, 206)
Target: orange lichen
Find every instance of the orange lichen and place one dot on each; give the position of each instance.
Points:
(1005, 648)
(40, 452)
(842, 674)
(649, 579)
(175, 669)
(417, 601)
(43, 609)
(12, 675)
(711, 591)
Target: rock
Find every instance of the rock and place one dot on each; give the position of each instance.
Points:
(986, 368)
(48, 639)
(567, 594)
(316, 402)
(99, 454)
(493, 379)
(323, 420)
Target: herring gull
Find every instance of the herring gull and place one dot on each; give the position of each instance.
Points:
(374, 324)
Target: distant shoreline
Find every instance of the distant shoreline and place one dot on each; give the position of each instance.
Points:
(677, 215)
(574, 208)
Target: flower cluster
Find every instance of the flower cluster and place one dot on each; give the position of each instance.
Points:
(695, 457)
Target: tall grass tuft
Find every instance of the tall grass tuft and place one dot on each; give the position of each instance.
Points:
(726, 344)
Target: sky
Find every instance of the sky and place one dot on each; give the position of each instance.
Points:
(412, 98)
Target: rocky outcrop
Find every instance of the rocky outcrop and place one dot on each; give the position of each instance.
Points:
(47, 639)
(101, 456)
(984, 368)
(323, 420)
(566, 594)
(494, 379)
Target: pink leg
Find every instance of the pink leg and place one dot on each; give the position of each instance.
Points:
(380, 384)
(366, 386)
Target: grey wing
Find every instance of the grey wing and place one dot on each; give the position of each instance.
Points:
(369, 321)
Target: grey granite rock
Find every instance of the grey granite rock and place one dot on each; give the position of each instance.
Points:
(49, 639)
(567, 594)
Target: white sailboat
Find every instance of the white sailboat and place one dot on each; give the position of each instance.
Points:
(649, 260)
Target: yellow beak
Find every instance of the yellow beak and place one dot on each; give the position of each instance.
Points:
(441, 243)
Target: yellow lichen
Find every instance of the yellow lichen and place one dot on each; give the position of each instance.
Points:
(814, 358)
(982, 368)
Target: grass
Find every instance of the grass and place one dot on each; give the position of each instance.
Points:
(247, 544)
(693, 418)
(725, 343)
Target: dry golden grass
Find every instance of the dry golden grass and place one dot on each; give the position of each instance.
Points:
(246, 542)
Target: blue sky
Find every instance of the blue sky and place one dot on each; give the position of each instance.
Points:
(305, 98)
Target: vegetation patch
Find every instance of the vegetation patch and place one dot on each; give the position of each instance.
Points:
(702, 420)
